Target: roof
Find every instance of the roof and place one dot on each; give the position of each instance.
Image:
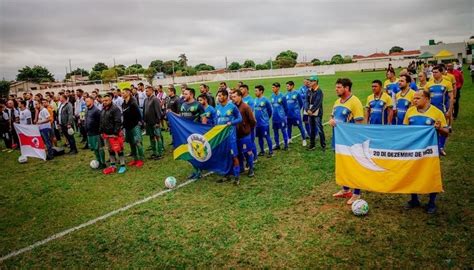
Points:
(444, 54)
(412, 52)
(426, 55)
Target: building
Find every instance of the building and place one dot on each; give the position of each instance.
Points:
(457, 49)
(381, 56)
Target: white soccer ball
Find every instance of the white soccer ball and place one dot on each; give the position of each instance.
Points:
(22, 159)
(70, 131)
(360, 207)
(94, 164)
(170, 182)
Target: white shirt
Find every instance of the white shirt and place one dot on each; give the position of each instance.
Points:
(42, 116)
(61, 105)
(118, 101)
(141, 98)
(24, 116)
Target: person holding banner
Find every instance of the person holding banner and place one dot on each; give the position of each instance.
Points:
(44, 124)
(347, 109)
(424, 113)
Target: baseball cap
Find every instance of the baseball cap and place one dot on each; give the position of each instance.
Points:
(313, 77)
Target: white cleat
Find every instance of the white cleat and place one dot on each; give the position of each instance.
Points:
(290, 141)
(304, 143)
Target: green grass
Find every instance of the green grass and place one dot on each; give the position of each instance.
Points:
(285, 217)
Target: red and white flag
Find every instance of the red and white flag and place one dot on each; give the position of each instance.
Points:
(31, 143)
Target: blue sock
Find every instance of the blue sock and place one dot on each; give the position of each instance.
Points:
(414, 198)
(270, 144)
(260, 143)
(236, 171)
(289, 130)
(249, 158)
(432, 199)
(276, 136)
(303, 133)
(285, 137)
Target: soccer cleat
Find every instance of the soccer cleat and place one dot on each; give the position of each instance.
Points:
(431, 209)
(290, 141)
(251, 173)
(442, 152)
(224, 179)
(304, 143)
(131, 163)
(311, 148)
(412, 204)
(277, 147)
(285, 148)
(195, 175)
(353, 199)
(261, 154)
(139, 163)
(122, 169)
(236, 181)
(109, 170)
(270, 154)
(342, 194)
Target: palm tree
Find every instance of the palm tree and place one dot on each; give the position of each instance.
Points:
(183, 60)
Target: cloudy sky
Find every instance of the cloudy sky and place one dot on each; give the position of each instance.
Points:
(49, 32)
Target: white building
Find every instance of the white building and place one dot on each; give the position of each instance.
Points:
(458, 49)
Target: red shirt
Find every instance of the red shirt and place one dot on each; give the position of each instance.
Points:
(458, 76)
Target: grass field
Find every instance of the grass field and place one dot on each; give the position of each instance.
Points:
(285, 217)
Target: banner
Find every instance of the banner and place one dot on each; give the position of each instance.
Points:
(205, 147)
(31, 143)
(389, 159)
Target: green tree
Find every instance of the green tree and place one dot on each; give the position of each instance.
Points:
(396, 49)
(95, 76)
(203, 66)
(36, 74)
(189, 71)
(285, 62)
(120, 70)
(234, 66)
(249, 64)
(347, 59)
(4, 88)
(136, 66)
(183, 60)
(261, 67)
(149, 74)
(168, 67)
(288, 53)
(316, 62)
(121, 66)
(109, 75)
(157, 65)
(326, 62)
(100, 67)
(337, 59)
(77, 71)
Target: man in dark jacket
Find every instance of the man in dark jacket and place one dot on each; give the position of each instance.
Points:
(152, 119)
(314, 108)
(111, 130)
(66, 121)
(245, 144)
(92, 126)
(133, 133)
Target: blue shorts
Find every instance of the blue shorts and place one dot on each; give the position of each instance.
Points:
(280, 125)
(294, 121)
(245, 144)
(262, 131)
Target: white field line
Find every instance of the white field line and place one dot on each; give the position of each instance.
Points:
(95, 220)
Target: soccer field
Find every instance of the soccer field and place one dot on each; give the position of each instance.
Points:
(284, 217)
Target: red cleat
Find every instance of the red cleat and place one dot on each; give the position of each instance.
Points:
(342, 194)
(132, 163)
(139, 163)
(109, 170)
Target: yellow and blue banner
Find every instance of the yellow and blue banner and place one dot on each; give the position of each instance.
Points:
(388, 159)
(205, 147)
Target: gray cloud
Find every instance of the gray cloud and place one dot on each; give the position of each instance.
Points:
(51, 32)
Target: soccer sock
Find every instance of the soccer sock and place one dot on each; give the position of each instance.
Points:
(112, 159)
(356, 191)
(260, 143)
(303, 133)
(159, 146)
(249, 157)
(269, 142)
(276, 136)
(236, 171)
(432, 199)
(140, 152)
(442, 141)
(254, 146)
(346, 188)
(241, 160)
(289, 130)
(121, 158)
(414, 197)
(285, 136)
(97, 155)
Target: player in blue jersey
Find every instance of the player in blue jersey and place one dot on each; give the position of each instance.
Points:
(247, 99)
(423, 113)
(378, 105)
(303, 92)
(404, 98)
(263, 113)
(209, 111)
(280, 110)
(228, 114)
(295, 103)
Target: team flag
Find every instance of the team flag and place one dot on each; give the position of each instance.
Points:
(205, 147)
(31, 143)
(389, 159)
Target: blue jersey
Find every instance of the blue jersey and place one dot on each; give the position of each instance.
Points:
(211, 115)
(229, 113)
(294, 103)
(249, 101)
(280, 108)
(303, 91)
(263, 111)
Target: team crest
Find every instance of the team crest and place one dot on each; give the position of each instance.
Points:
(228, 112)
(199, 147)
(381, 103)
(192, 109)
(344, 112)
(262, 103)
(428, 121)
(35, 142)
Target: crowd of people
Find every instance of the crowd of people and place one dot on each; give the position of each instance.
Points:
(106, 121)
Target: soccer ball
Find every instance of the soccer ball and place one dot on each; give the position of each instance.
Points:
(170, 182)
(94, 164)
(22, 159)
(360, 207)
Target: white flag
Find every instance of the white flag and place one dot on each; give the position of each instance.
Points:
(31, 143)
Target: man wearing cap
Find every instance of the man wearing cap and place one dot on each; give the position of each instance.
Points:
(314, 109)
